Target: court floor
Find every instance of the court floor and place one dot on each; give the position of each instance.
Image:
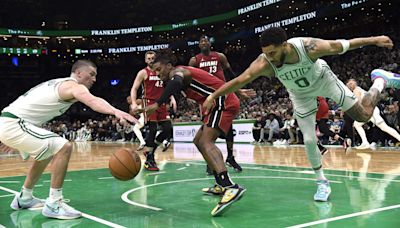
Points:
(280, 188)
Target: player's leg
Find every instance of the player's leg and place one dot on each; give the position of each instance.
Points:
(151, 146)
(211, 153)
(362, 111)
(138, 133)
(43, 145)
(314, 156)
(230, 159)
(305, 110)
(166, 126)
(380, 122)
(361, 132)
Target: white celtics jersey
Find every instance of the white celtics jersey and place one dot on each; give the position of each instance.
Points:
(302, 75)
(41, 103)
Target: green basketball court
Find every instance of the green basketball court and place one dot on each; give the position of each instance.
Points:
(275, 197)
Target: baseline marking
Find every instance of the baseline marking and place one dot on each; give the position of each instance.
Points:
(345, 216)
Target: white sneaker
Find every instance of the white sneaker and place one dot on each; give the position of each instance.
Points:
(323, 191)
(19, 204)
(60, 210)
(141, 147)
(363, 146)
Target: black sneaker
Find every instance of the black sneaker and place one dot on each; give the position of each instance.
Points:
(322, 148)
(151, 166)
(230, 161)
(231, 195)
(215, 190)
(209, 172)
(166, 145)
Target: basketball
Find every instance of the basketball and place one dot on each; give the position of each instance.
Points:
(124, 164)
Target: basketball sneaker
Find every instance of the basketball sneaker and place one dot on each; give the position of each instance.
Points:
(215, 190)
(346, 144)
(60, 210)
(141, 147)
(151, 166)
(321, 148)
(230, 161)
(165, 145)
(19, 204)
(363, 146)
(231, 195)
(392, 80)
(323, 191)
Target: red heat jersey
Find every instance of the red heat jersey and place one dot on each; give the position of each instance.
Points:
(323, 109)
(153, 86)
(202, 85)
(210, 63)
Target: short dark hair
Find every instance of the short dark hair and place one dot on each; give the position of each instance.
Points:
(273, 36)
(82, 63)
(165, 56)
(204, 37)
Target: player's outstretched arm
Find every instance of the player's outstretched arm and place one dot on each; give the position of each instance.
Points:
(317, 48)
(257, 68)
(72, 90)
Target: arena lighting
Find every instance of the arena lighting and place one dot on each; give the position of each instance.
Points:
(34, 37)
(69, 37)
(114, 82)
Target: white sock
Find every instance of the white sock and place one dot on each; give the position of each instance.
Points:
(55, 194)
(379, 84)
(26, 193)
(320, 174)
(138, 134)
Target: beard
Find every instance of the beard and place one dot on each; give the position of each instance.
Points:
(281, 60)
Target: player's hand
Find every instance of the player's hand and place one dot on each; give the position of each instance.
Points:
(133, 107)
(123, 117)
(149, 109)
(208, 104)
(247, 93)
(383, 41)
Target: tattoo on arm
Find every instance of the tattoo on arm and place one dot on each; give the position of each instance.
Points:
(310, 45)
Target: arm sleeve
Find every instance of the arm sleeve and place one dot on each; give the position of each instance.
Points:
(173, 86)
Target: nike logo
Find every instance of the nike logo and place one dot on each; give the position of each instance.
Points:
(54, 210)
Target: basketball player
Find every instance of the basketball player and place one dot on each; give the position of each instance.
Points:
(215, 63)
(19, 129)
(376, 118)
(152, 87)
(197, 85)
(139, 125)
(322, 118)
(296, 63)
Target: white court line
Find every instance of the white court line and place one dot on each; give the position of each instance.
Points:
(302, 172)
(8, 190)
(182, 168)
(66, 180)
(157, 173)
(91, 217)
(7, 195)
(345, 216)
(9, 182)
(105, 178)
(38, 185)
(124, 196)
